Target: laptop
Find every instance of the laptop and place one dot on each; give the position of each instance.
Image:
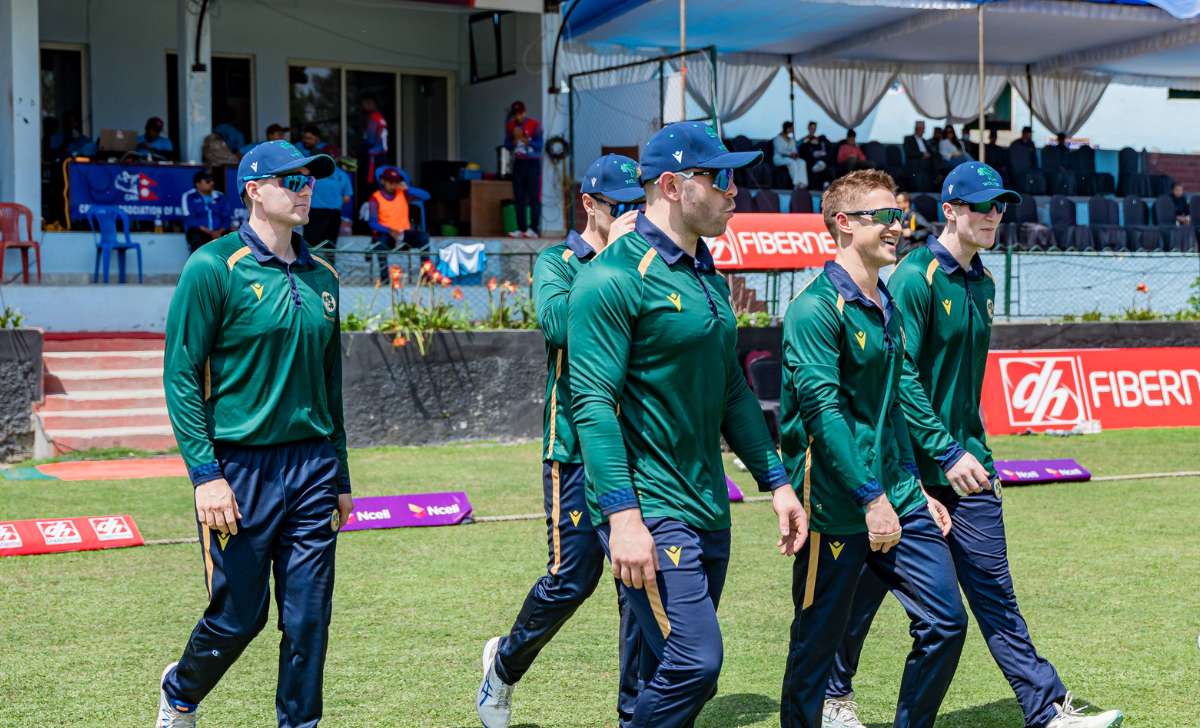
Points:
(118, 140)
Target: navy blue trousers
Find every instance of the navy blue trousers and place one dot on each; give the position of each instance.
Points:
(825, 578)
(677, 616)
(980, 552)
(575, 566)
(527, 193)
(288, 497)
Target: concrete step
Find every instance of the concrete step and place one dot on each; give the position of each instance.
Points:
(155, 437)
(78, 361)
(103, 381)
(50, 345)
(127, 399)
(96, 419)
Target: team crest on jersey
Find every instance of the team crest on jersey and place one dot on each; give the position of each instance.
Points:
(991, 309)
(329, 301)
(333, 520)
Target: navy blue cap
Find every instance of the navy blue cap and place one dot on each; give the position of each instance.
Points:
(272, 159)
(690, 145)
(615, 177)
(976, 182)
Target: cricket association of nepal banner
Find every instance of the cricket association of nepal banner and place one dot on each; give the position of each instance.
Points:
(1122, 388)
(53, 535)
(142, 191)
(399, 511)
(773, 241)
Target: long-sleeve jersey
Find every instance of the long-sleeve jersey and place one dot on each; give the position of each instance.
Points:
(655, 383)
(211, 212)
(253, 353)
(375, 135)
(842, 430)
(531, 149)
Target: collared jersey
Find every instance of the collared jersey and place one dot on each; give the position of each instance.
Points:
(655, 383)
(842, 431)
(948, 315)
(211, 212)
(553, 274)
(253, 353)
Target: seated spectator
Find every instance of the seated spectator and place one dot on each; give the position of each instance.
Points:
(329, 196)
(935, 138)
(787, 154)
(275, 133)
(914, 228)
(1025, 142)
(388, 217)
(816, 151)
(154, 140)
(917, 150)
(205, 212)
(951, 149)
(234, 139)
(971, 147)
(70, 141)
(850, 156)
(1183, 213)
(310, 139)
(996, 156)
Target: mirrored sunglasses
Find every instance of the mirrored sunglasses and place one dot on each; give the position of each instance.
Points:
(884, 216)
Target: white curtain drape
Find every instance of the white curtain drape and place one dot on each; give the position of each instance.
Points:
(1063, 101)
(742, 79)
(581, 57)
(951, 96)
(847, 92)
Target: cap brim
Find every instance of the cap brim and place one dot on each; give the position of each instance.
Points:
(625, 194)
(319, 166)
(992, 194)
(732, 160)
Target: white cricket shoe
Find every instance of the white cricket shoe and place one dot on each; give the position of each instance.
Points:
(840, 713)
(1072, 717)
(494, 700)
(170, 713)
(516, 234)
(531, 233)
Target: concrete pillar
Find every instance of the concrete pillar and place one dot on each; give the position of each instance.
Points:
(20, 106)
(195, 79)
(554, 123)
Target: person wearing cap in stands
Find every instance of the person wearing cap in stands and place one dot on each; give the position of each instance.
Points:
(388, 218)
(655, 383)
(275, 133)
(253, 379)
(329, 196)
(523, 137)
(947, 300)
(154, 140)
(611, 192)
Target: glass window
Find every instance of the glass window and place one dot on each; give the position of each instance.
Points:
(315, 97)
(493, 45)
(62, 94)
(381, 86)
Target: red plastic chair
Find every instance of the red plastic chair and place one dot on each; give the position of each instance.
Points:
(10, 237)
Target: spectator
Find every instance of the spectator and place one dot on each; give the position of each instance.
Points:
(1064, 154)
(935, 138)
(205, 212)
(850, 156)
(815, 150)
(969, 145)
(1026, 141)
(996, 156)
(70, 141)
(391, 229)
(373, 148)
(234, 139)
(917, 154)
(787, 154)
(951, 149)
(310, 139)
(329, 196)
(1183, 213)
(275, 133)
(154, 140)
(349, 165)
(523, 137)
(914, 228)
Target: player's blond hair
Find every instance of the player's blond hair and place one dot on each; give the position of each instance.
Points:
(847, 193)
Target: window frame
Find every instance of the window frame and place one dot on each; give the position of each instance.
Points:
(85, 84)
(495, 15)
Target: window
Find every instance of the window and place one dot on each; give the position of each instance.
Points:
(493, 46)
(1180, 94)
(315, 97)
(64, 92)
(232, 95)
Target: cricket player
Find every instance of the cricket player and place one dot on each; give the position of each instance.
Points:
(847, 448)
(655, 383)
(947, 299)
(253, 375)
(611, 192)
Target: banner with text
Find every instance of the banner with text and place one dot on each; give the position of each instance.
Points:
(1015, 472)
(1122, 388)
(142, 191)
(52, 535)
(399, 511)
(773, 241)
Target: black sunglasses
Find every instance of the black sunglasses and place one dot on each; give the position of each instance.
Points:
(883, 216)
(983, 207)
(293, 182)
(617, 209)
(721, 177)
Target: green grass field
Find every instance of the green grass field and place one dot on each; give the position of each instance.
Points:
(1106, 573)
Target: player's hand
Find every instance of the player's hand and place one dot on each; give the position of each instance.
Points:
(883, 526)
(216, 507)
(345, 508)
(623, 225)
(941, 516)
(967, 476)
(793, 520)
(631, 547)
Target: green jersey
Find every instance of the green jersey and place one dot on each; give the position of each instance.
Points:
(253, 352)
(948, 318)
(655, 383)
(842, 429)
(553, 273)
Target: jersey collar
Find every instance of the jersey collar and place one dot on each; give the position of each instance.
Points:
(850, 291)
(262, 253)
(579, 246)
(670, 252)
(950, 264)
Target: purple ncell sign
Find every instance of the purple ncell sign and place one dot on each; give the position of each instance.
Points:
(1040, 471)
(735, 493)
(398, 511)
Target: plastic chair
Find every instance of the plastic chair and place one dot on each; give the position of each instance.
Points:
(802, 202)
(10, 237)
(103, 220)
(1104, 220)
(1142, 235)
(766, 201)
(767, 375)
(1067, 234)
(1031, 234)
(1174, 236)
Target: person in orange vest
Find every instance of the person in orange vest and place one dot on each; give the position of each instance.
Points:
(390, 225)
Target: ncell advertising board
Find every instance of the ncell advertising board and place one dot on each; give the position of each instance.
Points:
(1122, 388)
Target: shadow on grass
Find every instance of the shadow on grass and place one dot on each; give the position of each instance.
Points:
(739, 709)
(992, 715)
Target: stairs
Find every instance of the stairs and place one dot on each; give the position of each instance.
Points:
(102, 392)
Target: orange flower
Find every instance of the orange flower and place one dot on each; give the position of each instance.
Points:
(396, 284)
(427, 266)
(457, 293)
(531, 279)
(435, 276)
(378, 284)
(510, 287)
(1142, 287)
(492, 285)
(445, 282)
(399, 341)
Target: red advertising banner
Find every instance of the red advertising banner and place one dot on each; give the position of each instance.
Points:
(52, 535)
(1122, 388)
(773, 241)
